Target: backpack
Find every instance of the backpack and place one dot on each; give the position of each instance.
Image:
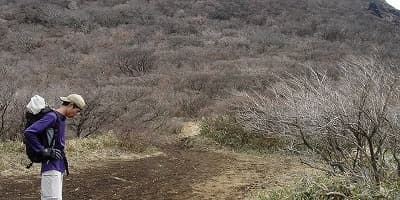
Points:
(36, 110)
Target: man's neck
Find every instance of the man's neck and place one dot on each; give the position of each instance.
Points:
(62, 110)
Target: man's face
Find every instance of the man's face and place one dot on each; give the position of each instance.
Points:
(72, 110)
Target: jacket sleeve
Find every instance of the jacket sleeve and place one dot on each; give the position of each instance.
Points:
(33, 132)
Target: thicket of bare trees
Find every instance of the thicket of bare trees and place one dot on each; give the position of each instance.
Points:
(104, 106)
(11, 112)
(351, 123)
(180, 57)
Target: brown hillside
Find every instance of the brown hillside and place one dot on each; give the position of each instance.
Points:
(145, 61)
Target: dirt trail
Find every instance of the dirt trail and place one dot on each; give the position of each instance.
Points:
(180, 173)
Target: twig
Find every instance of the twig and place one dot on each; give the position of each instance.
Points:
(336, 194)
(318, 168)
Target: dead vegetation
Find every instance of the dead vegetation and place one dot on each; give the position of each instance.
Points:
(177, 56)
(350, 123)
(143, 63)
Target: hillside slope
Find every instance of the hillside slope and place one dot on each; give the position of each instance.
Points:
(160, 59)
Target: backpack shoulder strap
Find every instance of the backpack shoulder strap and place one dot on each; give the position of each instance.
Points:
(58, 119)
(55, 129)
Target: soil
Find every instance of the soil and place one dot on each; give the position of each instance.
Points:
(182, 172)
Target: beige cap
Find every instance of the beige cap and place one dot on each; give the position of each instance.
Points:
(75, 99)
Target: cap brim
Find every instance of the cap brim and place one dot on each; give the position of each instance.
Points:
(65, 99)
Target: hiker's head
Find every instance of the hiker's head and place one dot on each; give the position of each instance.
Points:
(73, 104)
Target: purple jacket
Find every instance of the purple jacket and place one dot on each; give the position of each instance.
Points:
(37, 128)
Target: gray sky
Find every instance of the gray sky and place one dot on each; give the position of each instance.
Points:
(394, 3)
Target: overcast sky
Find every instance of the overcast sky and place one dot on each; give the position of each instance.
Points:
(394, 3)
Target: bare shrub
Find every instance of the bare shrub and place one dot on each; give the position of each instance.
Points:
(80, 21)
(141, 12)
(107, 17)
(307, 28)
(3, 30)
(225, 10)
(177, 26)
(170, 8)
(78, 42)
(112, 3)
(24, 39)
(11, 114)
(350, 124)
(62, 58)
(333, 33)
(189, 104)
(134, 62)
(149, 113)
(234, 42)
(115, 16)
(321, 51)
(196, 81)
(101, 112)
(267, 41)
(180, 41)
(257, 19)
(41, 13)
(5, 107)
(16, 116)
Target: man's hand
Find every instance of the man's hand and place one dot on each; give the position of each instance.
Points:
(52, 153)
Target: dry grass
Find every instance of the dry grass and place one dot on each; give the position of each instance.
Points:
(81, 154)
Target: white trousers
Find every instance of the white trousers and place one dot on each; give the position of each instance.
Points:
(51, 185)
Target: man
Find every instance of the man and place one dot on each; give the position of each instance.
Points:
(52, 170)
